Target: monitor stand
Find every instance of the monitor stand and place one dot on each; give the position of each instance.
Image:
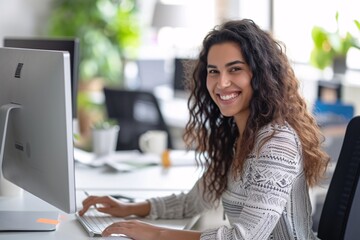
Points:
(21, 220)
(27, 221)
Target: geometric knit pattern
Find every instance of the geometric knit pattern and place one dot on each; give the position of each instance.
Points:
(269, 201)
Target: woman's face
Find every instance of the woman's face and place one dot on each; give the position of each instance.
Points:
(229, 80)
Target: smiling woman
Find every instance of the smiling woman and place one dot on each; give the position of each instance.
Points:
(249, 119)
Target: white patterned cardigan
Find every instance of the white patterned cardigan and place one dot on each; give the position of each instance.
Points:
(270, 201)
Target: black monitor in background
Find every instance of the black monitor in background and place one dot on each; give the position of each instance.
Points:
(180, 68)
(70, 45)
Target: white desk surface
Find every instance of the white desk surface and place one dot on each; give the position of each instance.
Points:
(141, 184)
(149, 178)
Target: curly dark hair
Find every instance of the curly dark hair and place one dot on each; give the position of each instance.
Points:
(276, 99)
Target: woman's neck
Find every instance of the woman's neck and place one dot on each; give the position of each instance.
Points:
(241, 121)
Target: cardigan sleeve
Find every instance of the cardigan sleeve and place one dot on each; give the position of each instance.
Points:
(268, 179)
(181, 205)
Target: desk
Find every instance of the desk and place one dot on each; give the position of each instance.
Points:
(69, 227)
(152, 178)
(143, 183)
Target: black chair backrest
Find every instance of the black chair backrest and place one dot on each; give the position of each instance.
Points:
(136, 113)
(339, 198)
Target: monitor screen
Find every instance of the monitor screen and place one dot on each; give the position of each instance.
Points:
(36, 138)
(152, 73)
(69, 45)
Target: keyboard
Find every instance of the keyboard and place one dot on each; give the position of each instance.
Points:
(95, 222)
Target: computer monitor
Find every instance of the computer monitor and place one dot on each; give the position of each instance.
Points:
(70, 45)
(36, 138)
(152, 73)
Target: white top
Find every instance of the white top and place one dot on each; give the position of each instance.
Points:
(270, 201)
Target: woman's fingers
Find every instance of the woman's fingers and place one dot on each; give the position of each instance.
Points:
(113, 230)
(116, 228)
(95, 201)
(133, 228)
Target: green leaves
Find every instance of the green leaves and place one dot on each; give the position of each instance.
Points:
(330, 45)
(322, 53)
(108, 31)
(106, 124)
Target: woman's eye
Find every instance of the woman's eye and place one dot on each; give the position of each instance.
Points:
(212, 71)
(234, 69)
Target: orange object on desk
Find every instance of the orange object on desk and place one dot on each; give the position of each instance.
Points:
(165, 159)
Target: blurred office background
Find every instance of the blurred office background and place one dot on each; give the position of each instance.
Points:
(134, 44)
(137, 41)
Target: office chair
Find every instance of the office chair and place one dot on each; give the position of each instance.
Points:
(329, 109)
(136, 113)
(337, 113)
(338, 203)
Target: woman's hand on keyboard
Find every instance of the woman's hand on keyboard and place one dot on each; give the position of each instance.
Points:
(114, 207)
(135, 229)
(139, 230)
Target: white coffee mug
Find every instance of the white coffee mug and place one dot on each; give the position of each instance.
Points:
(105, 140)
(153, 141)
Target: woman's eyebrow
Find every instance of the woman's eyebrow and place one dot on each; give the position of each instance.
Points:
(234, 62)
(227, 64)
(211, 66)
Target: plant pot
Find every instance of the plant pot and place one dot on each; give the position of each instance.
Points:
(105, 140)
(339, 65)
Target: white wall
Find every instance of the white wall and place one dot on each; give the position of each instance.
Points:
(22, 17)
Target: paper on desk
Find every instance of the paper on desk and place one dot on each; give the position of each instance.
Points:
(89, 158)
(119, 160)
(83, 156)
(131, 160)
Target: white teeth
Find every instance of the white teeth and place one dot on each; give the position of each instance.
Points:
(228, 97)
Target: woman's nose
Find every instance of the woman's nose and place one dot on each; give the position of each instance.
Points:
(224, 81)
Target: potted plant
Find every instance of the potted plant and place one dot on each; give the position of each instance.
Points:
(331, 48)
(104, 137)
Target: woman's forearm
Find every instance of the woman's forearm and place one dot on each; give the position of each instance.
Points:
(172, 234)
(141, 209)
